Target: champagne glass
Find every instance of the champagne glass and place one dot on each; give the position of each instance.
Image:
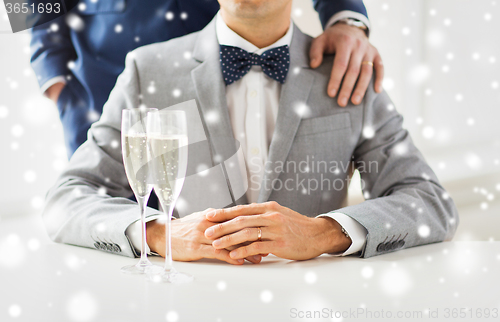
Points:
(168, 143)
(135, 159)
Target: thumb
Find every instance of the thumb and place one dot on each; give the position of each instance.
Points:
(316, 51)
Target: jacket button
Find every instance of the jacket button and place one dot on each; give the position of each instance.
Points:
(97, 246)
(118, 249)
(401, 243)
(381, 247)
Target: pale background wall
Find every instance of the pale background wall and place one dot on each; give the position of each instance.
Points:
(442, 60)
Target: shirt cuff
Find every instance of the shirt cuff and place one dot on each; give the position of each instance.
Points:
(134, 234)
(348, 14)
(355, 230)
(52, 81)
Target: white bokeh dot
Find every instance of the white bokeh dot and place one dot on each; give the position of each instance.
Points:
(152, 88)
(428, 132)
(33, 244)
(75, 22)
(424, 231)
(17, 130)
(297, 12)
(395, 281)
(368, 132)
(4, 112)
(388, 84)
(367, 272)
(266, 296)
(15, 311)
(310, 277)
(221, 285)
(118, 28)
(176, 92)
(172, 316)
(29, 176)
(169, 15)
(37, 202)
(82, 307)
(184, 15)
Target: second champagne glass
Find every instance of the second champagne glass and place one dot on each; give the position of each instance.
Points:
(135, 159)
(168, 143)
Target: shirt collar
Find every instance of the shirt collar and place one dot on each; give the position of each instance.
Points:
(228, 37)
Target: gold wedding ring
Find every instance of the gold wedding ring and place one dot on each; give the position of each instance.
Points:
(367, 63)
(259, 234)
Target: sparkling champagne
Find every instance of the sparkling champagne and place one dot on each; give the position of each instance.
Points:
(169, 162)
(135, 158)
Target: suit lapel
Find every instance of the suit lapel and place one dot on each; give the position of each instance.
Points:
(292, 107)
(211, 92)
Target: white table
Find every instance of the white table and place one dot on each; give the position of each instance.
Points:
(45, 281)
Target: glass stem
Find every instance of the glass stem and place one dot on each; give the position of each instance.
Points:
(168, 238)
(143, 204)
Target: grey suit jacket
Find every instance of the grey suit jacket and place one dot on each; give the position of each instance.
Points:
(314, 142)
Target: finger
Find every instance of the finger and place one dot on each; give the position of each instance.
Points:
(221, 215)
(316, 52)
(235, 225)
(363, 81)
(255, 259)
(220, 254)
(340, 64)
(379, 73)
(244, 235)
(350, 78)
(252, 249)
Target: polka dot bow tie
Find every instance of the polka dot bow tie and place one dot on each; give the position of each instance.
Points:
(236, 62)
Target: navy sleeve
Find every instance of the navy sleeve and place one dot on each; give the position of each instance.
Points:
(51, 50)
(327, 8)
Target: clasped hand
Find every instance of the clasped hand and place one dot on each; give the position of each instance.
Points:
(231, 234)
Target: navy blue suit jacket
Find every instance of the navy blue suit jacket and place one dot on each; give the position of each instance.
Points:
(91, 55)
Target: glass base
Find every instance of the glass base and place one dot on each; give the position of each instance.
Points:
(158, 274)
(139, 268)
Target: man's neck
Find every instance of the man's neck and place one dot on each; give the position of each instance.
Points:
(261, 32)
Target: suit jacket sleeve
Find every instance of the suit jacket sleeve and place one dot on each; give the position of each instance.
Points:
(405, 204)
(51, 50)
(327, 8)
(89, 203)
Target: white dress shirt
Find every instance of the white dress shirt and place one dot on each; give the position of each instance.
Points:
(253, 103)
